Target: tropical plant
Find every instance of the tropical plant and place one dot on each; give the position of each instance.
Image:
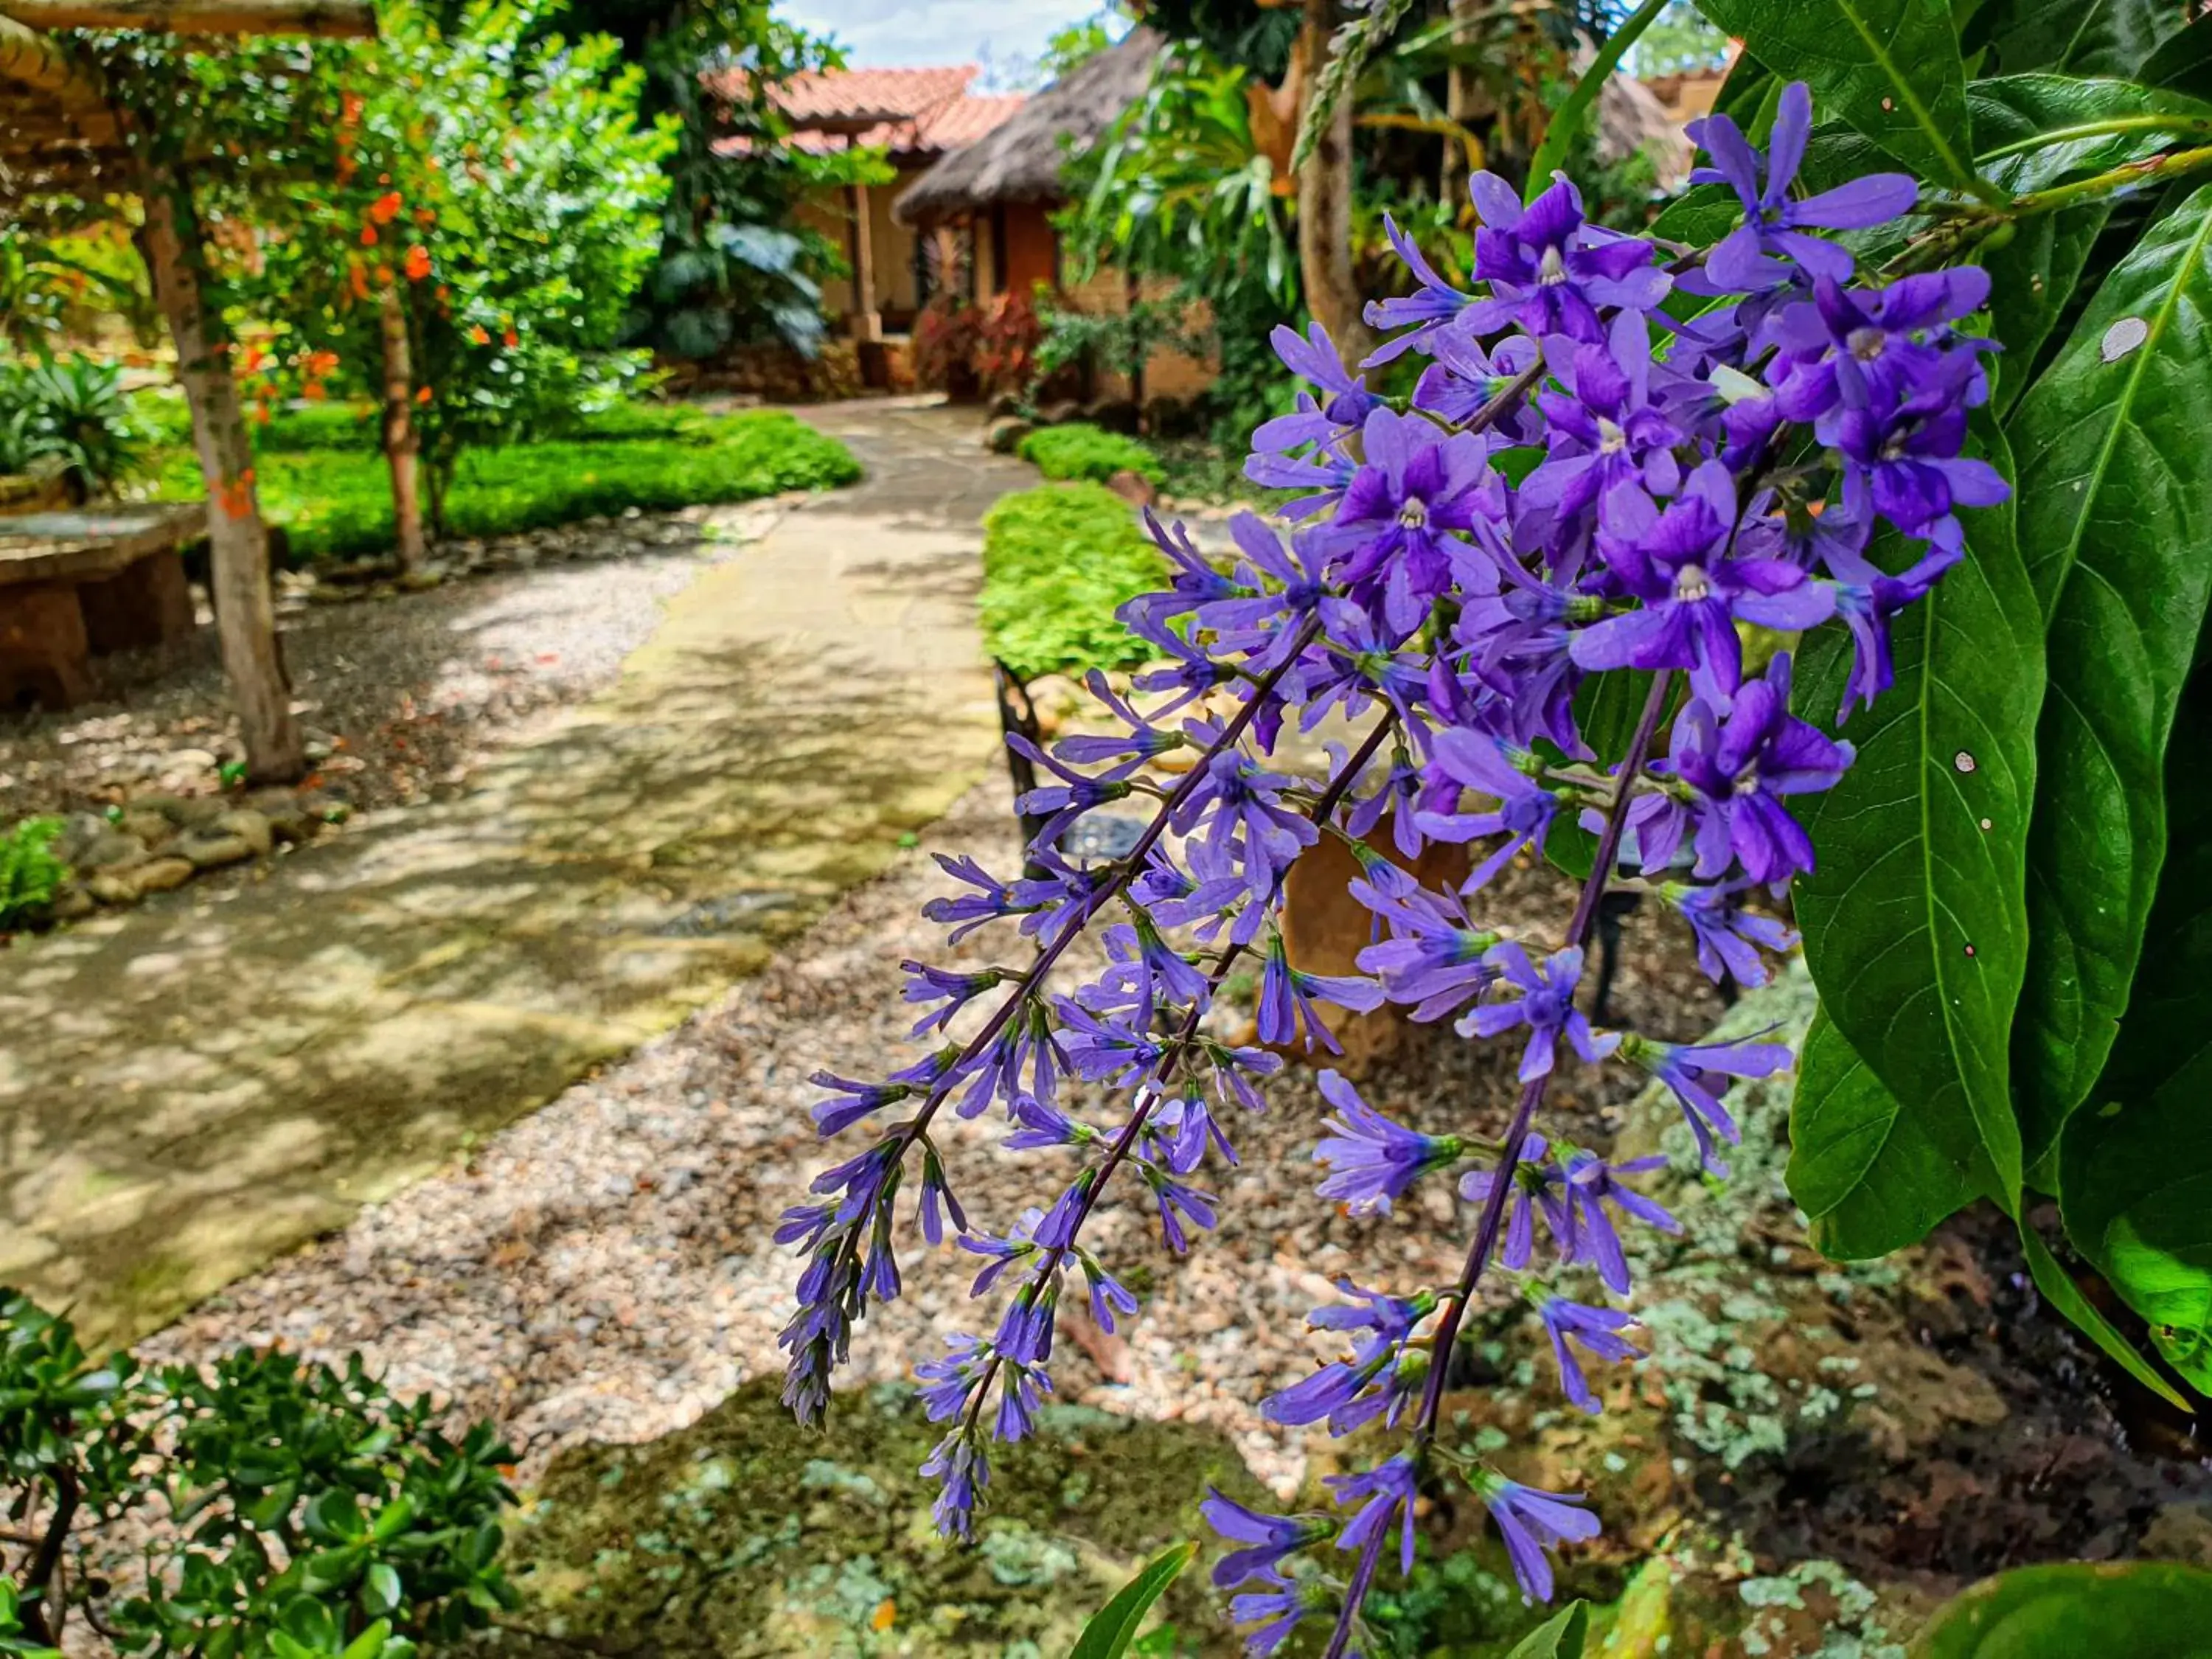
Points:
(73, 409)
(2009, 922)
(309, 1515)
(1079, 450)
(30, 874)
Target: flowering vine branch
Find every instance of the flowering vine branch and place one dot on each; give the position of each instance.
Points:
(1584, 481)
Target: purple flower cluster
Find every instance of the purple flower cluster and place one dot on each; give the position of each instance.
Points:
(1590, 476)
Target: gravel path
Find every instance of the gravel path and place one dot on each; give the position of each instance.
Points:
(603, 1269)
(410, 684)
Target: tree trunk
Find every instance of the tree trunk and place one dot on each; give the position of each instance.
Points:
(245, 614)
(1461, 98)
(1325, 201)
(401, 446)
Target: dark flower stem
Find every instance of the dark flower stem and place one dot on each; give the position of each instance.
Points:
(1494, 1207)
(1126, 1137)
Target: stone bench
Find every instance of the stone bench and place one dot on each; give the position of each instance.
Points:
(83, 581)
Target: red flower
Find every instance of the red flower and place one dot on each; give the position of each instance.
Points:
(418, 263)
(385, 208)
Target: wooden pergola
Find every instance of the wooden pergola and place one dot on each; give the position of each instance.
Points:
(61, 132)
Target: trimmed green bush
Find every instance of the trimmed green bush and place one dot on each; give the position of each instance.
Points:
(1081, 451)
(1057, 561)
(30, 874)
(322, 479)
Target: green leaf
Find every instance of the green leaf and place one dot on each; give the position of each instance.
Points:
(2115, 514)
(379, 1589)
(1869, 1174)
(2084, 37)
(1114, 1626)
(1567, 120)
(2136, 1166)
(2038, 131)
(1915, 921)
(1559, 1637)
(2128, 1609)
(2184, 64)
(1891, 68)
(2060, 1290)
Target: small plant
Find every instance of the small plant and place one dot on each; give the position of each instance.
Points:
(309, 1512)
(1007, 337)
(1057, 561)
(946, 338)
(30, 874)
(73, 409)
(1082, 451)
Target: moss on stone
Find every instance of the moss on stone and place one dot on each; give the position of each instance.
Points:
(745, 1535)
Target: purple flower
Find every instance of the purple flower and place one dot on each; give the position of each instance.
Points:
(1237, 794)
(1698, 1074)
(1596, 1329)
(1728, 937)
(1280, 1608)
(1424, 313)
(1872, 348)
(1694, 594)
(1287, 995)
(1605, 431)
(960, 1465)
(946, 1380)
(1866, 598)
(1371, 1160)
(1061, 804)
(1534, 1180)
(1270, 1539)
(1313, 357)
(1434, 956)
(1111, 1299)
(1740, 771)
(1468, 760)
(1758, 254)
(1549, 271)
(1388, 1490)
(1905, 465)
(1591, 1186)
(1400, 534)
(1531, 1522)
(1344, 1392)
(1545, 1004)
(928, 984)
(1192, 582)
(1464, 380)
(1177, 1201)
(992, 899)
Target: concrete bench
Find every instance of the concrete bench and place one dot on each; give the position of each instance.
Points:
(80, 582)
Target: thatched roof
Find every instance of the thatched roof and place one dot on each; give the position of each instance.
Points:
(1020, 160)
(1630, 117)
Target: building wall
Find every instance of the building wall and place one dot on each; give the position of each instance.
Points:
(1171, 374)
(891, 249)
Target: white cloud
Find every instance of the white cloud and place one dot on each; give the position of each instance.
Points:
(894, 34)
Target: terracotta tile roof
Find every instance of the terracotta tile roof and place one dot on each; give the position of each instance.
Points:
(907, 112)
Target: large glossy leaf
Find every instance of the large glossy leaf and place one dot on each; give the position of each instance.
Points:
(2184, 64)
(2060, 1290)
(2135, 1162)
(1114, 1626)
(1915, 919)
(2115, 474)
(2125, 1609)
(1871, 1176)
(2022, 124)
(2083, 37)
(1559, 1637)
(1890, 68)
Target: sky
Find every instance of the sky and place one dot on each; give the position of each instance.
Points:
(887, 34)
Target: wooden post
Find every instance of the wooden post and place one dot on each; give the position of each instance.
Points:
(401, 446)
(1324, 199)
(246, 613)
(867, 321)
(333, 19)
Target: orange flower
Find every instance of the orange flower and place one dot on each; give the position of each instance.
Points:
(509, 339)
(476, 333)
(368, 235)
(418, 263)
(314, 392)
(422, 394)
(360, 282)
(386, 207)
(234, 496)
(350, 107)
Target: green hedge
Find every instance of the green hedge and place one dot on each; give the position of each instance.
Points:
(1080, 451)
(1057, 560)
(322, 479)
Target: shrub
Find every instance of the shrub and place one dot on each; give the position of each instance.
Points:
(1057, 561)
(72, 409)
(30, 874)
(1082, 451)
(311, 1513)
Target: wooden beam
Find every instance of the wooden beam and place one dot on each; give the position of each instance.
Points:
(334, 18)
(30, 59)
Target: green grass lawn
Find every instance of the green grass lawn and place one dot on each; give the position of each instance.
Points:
(322, 478)
(1056, 561)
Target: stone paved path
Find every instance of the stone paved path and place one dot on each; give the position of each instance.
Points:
(189, 1089)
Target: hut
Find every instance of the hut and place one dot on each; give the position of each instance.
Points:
(915, 116)
(997, 194)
